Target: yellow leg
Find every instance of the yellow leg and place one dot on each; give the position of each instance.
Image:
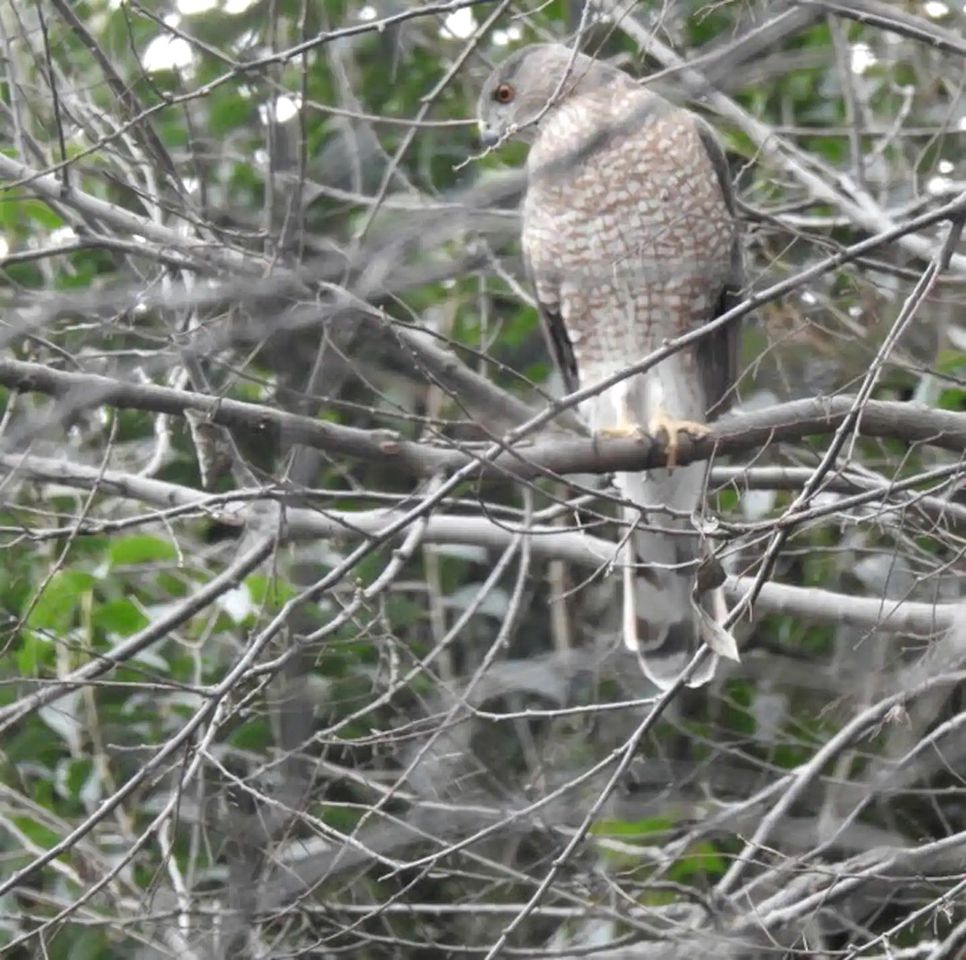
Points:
(662, 422)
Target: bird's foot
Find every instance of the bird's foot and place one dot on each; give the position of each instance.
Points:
(662, 422)
(622, 431)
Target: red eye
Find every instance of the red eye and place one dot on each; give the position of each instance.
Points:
(503, 93)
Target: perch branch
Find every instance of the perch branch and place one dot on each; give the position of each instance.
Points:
(735, 433)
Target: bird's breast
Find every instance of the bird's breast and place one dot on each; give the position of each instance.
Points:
(635, 233)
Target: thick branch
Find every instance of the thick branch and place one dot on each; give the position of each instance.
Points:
(887, 17)
(824, 606)
(736, 433)
(586, 550)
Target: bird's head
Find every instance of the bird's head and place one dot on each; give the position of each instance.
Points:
(517, 93)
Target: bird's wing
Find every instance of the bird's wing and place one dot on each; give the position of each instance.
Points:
(552, 322)
(717, 354)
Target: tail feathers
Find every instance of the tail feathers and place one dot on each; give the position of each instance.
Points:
(669, 609)
(662, 623)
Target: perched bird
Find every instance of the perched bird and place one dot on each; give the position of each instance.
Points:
(630, 237)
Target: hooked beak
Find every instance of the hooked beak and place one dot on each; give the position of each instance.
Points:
(488, 136)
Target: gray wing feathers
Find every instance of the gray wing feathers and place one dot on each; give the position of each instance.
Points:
(560, 347)
(717, 354)
(554, 328)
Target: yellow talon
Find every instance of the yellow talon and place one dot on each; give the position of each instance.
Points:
(622, 431)
(661, 422)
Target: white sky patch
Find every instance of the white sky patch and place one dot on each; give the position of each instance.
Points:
(232, 7)
(809, 297)
(247, 40)
(936, 185)
(4, 246)
(944, 166)
(460, 24)
(935, 9)
(502, 37)
(168, 53)
(63, 235)
(236, 603)
(285, 109)
(756, 504)
(962, 120)
(367, 13)
(862, 57)
(191, 7)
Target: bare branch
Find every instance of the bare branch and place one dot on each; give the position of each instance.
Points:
(734, 433)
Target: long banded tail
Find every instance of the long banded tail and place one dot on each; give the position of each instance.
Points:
(665, 619)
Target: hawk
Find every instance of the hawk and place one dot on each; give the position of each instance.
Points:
(629, 238)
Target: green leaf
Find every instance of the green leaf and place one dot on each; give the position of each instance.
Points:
(54, 610)
(701, 860)
(119, 616)
(86, 945)
(77, 775)
(229, 111)
(953, 399)
(628, 829)
(15, 212)
(255, 736)
(33, 650)
(131, 551)
(40, 834)
(270, 592)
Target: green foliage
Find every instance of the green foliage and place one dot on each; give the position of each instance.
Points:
(627, 830)
(344, 713)
(701, 864)
(56, 607)
(121, 617)
(138, 549)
